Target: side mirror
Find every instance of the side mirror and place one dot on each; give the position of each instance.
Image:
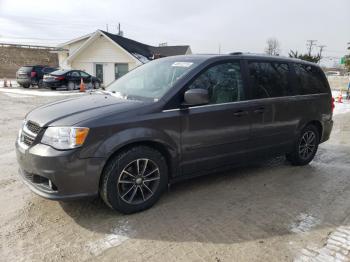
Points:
(196, 96)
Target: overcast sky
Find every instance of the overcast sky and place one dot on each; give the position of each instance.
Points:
(241, 25)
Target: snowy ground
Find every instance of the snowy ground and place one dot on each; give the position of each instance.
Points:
(16, 91)
(269, 211)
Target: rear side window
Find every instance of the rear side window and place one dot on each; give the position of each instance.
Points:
(223, 82)
(83, 74)
(310, 79)
(269, 79)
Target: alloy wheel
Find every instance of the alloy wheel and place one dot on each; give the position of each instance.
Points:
(307, 144)
(138, 181)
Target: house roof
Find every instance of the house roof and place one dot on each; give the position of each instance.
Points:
(137, 48)
(75, 40)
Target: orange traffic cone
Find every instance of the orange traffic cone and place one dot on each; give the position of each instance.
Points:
(5, 82)
(340, 97)
(82, 86)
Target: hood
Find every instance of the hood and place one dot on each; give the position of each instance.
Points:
(71, 111)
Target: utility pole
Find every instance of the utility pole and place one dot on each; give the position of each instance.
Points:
(310, 44)
(321, 50)
(118, 28)
(219, 48)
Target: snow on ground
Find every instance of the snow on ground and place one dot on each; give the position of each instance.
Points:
(36, 92)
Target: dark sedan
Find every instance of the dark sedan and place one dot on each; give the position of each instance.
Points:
(70, 79)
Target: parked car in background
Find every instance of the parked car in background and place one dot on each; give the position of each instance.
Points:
(70, 79)
(171, 119)
(32, 75)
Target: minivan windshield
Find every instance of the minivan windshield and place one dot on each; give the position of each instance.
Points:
(152, 80)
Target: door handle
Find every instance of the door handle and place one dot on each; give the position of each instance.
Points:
(260, 110)
(240, 113)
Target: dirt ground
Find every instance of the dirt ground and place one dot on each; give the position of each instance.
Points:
(269, 211)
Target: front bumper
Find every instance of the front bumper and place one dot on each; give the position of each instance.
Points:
(58, 175)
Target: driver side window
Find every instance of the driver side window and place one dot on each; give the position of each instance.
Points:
(223, 82)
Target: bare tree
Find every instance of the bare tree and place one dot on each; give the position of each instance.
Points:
(273, 46)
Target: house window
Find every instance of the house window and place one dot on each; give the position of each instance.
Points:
(120, 69)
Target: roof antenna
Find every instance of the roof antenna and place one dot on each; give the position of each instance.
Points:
(120, 32)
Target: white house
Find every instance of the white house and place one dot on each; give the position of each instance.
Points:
(109, 56)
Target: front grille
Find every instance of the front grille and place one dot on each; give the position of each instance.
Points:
(33, 127)
(29, 133)
(27, 140)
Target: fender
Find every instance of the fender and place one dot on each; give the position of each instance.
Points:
(138, 135)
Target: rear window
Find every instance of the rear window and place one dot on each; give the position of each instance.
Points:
(270, 79)
(26, 69)
(310, 79)
(48, 70)
(59, 72)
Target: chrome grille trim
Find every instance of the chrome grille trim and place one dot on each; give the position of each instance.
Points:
(28, 134)
(33, 127)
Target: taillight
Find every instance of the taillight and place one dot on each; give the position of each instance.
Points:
(59, 78)
(33, 74)
(332, 104)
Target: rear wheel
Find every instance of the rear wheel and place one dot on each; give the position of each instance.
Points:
(26, 85)
(41, 83)
(305, 147)
(71, 86)
(134, 179)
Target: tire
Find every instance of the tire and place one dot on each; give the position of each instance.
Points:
(53, 88)
(123, 184)
(26, 85)
(70, 86)
(305, 146)
(96, 85)
(40, 83)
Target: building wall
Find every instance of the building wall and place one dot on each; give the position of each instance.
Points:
(62, 60)
(74, 46)
(103, 51)
(13, 57)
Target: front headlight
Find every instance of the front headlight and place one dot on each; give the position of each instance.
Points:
(65, 137)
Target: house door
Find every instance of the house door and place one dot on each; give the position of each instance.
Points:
(99, 71)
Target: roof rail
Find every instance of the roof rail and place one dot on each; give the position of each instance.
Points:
(236, 53)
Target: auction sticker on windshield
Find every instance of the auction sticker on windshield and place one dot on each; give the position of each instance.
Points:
(182, 64)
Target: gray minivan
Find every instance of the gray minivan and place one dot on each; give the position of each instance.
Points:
(174, 118)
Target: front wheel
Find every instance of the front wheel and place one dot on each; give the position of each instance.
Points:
(305, 147)
(134, 179)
